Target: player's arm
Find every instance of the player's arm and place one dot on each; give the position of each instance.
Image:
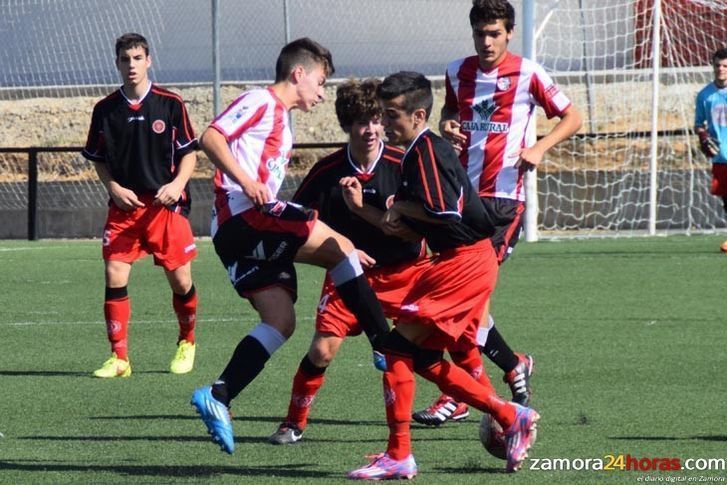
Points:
(568, 125)
(214, 144)
(170, 193)
(95, 151)
(185, 145)
(353, 197)
(708, 145)
(124, 198)
(449, 123)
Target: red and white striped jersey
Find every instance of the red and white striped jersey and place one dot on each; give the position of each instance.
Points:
(495, 109)
(258, 133)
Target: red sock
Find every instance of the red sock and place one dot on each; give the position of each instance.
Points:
(185, 306)
(457, 383)
(399, 386)
(117, 313)
(471, 361)
(305, 388)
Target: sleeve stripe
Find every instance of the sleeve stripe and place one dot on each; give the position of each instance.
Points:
(250, 121)
(315, 173)
(423, 175)
(432, 158)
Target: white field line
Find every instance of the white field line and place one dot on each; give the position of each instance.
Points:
(101, 322)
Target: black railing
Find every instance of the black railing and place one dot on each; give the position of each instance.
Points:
(32, 189)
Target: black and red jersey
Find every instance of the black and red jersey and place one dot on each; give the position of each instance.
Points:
(433, 176)
(141, 143)
(320, 190)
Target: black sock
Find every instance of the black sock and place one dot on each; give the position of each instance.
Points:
(497, 350)
(361, 300)
(246, 363)
(307, 366)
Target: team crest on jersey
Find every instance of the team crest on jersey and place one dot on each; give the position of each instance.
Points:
(158, 127)
(240, 112)
(503, 83)
(485, 109)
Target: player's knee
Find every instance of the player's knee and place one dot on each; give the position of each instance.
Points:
(425, 359)
(334, 249)
(320, 357)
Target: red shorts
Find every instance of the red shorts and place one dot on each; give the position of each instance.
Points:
(719, 179)
(153, 229)
(451, 295)
(390, 283)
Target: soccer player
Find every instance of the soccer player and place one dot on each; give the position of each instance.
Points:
(143, 148)
(373, 167)
(445, 303)
(490, 100)
(710, 124)
(258, 237)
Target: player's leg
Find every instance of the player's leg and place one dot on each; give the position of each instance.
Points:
(184, 302)
(445, 408)
(399, 389)
(329, 249)
(517, 367)
(519, 422)
(277, 323)
(308, 380)
(723, 246)
(117, 311)
(168, 236)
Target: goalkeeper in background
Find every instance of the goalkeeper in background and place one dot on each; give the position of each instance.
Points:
(710, 124)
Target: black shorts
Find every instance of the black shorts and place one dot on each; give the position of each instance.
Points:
(258, 246)
(508, 217)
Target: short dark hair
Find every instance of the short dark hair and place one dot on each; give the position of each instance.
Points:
(302, 52)
(129, 41)
(414, 86)
(490, 11)
(719, 55)
(356, 100)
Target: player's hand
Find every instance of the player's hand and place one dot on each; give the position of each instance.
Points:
(352, 193)
(258, 193)
(365, 260)
(708, 145)
(530, 158)
(391, 222)
(450, 130)
(168, 194)
(125, 199)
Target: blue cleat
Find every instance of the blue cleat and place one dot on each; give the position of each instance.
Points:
(216, 417)
(379, 361)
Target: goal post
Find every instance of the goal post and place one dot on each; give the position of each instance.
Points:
(633, 69)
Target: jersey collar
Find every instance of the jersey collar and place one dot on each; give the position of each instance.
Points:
(355, 165)
(424, 130)
(141, 100)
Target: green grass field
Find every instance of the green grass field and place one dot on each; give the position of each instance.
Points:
(628, 337)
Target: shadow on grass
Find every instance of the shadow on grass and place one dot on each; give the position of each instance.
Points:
(671, 438)
(256, 440)
(291, 470)
(252, 419)
(470, 470)
(41, 373)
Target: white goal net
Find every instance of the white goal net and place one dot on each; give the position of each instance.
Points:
(601, 54)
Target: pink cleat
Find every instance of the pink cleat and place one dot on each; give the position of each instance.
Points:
(382, 467)
(520, 437)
